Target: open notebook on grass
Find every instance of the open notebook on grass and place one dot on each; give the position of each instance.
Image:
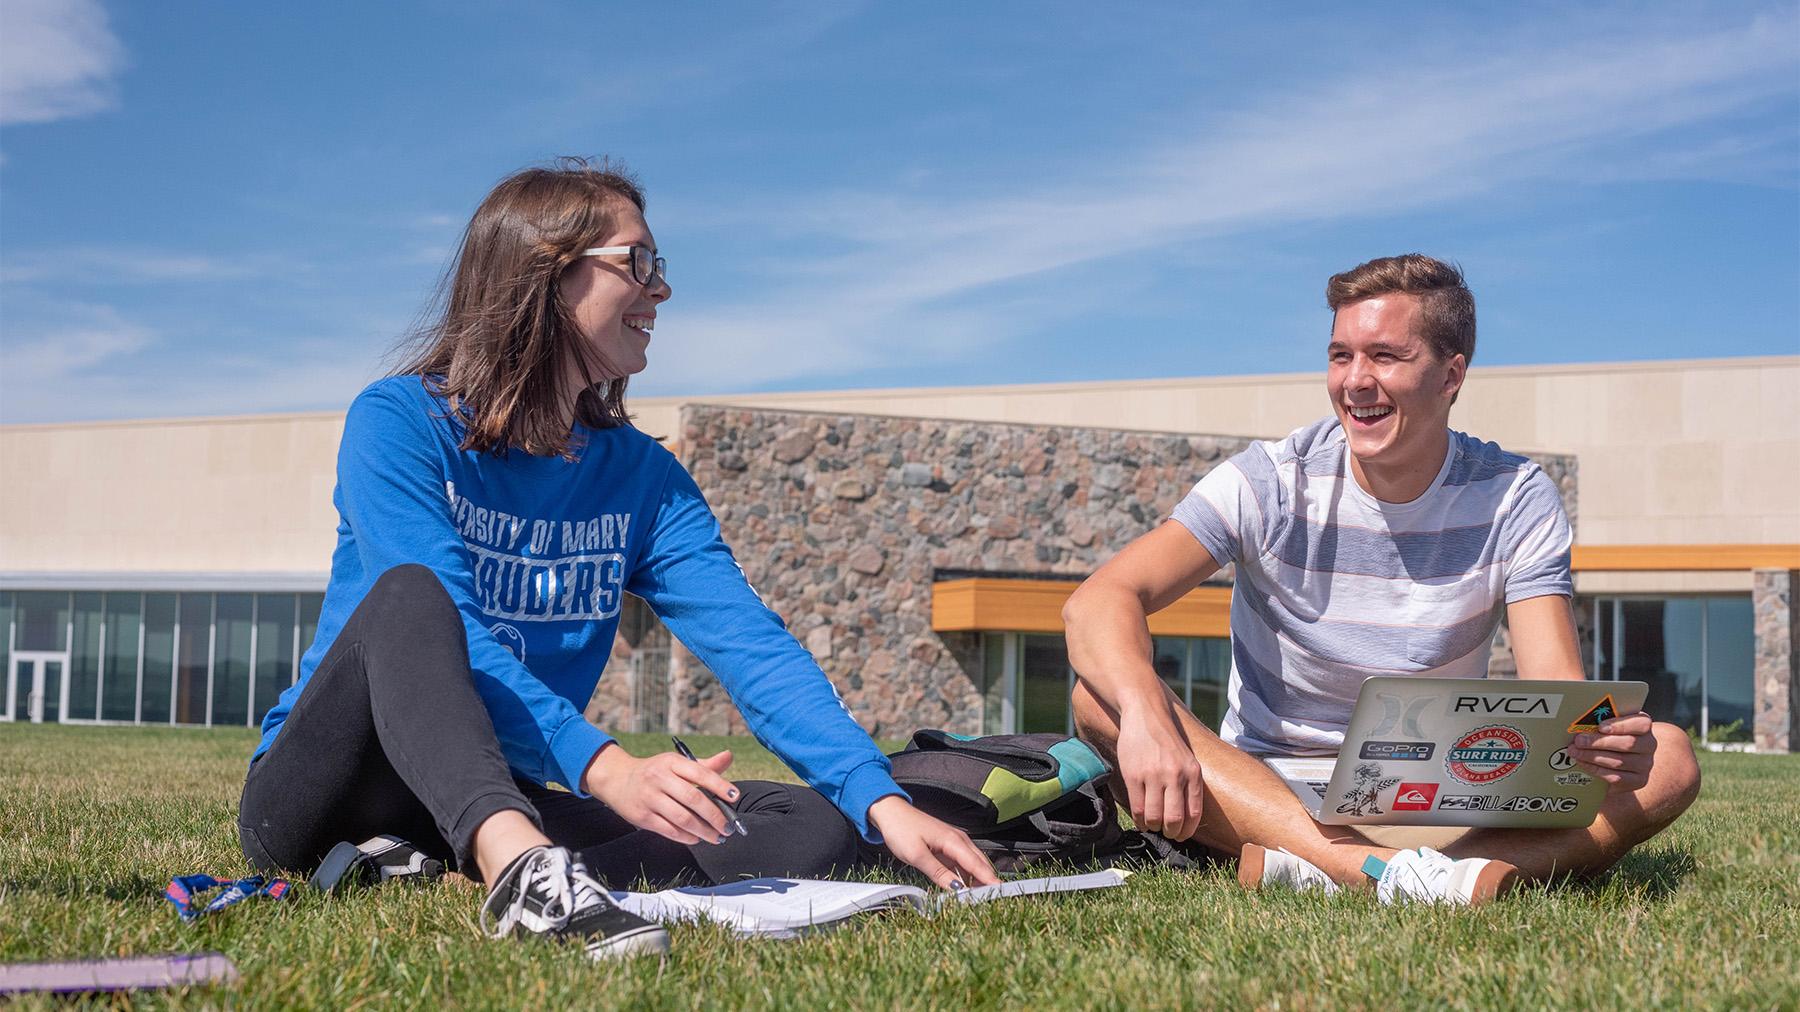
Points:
(785, 907)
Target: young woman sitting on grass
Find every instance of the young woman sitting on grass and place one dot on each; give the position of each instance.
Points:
(495, 504)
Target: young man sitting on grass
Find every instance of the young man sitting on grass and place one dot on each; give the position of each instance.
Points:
(1374, 541)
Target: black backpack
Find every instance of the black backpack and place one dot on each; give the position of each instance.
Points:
(1025, 798)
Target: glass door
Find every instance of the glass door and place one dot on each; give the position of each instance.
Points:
(35, 686)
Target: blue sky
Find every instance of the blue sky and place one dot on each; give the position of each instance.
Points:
(212, 208)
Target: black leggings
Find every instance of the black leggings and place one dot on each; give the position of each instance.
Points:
(390, 737)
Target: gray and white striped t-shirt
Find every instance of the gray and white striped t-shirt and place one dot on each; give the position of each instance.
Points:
(1333, 585)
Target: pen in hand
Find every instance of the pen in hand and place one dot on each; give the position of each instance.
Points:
(732, 822)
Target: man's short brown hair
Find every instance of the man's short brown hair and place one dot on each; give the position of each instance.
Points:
(1446, 306)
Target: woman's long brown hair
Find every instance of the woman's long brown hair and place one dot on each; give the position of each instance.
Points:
(497, 339)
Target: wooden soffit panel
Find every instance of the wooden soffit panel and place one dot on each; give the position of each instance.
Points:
(1000, 605)
(1634, 558)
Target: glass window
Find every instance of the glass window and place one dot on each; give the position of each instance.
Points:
(118, 699)
(159, 656)
(1195, 669)
(53, 676)
(1044, 684)
(42, 617)
(274, 651)
(84, 659)
(1169, 656)
(1730, 668)
(1603, 640)
(310, 604)
(231, 658)
(6, 615)
(193, 655)
(993, 683)
(1210, 661)
(1662, 648)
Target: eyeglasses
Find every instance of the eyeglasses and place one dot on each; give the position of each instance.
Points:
(646, 266)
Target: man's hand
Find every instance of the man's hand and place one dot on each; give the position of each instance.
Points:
(1620, 754)
(1108, 632)
(1161, 776)
(943, 852)
(662, 793)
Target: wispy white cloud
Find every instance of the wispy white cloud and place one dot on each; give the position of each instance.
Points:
(1416, 133)
(128, 264)
(58, 59)
(238, 385)
(749, 42)
(91, 337)
(113, 367)
(928, 267)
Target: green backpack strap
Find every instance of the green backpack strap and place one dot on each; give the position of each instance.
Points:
(988, 782)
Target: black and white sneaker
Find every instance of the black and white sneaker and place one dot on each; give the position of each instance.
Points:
(548, 891)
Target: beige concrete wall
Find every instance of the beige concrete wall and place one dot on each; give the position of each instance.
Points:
(1663, 581)
(1690, 452)
(1686, 452)
(208, 495)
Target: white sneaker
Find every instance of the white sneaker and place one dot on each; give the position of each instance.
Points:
(1426, 876)
(1260, 867)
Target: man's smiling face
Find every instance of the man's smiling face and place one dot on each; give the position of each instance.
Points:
(1390, 390)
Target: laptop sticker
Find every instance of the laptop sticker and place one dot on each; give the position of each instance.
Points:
(1366, 785)
(1496, 803)
(1411, 751)
(1599, 713)
(1405, 723)
(1487, 754)
(1517, 704)
(1415, 797)
(1562, 760)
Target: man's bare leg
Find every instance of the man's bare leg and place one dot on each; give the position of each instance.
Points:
(1245, 801)
(1625, 820)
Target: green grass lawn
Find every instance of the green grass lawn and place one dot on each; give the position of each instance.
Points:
(94, 821)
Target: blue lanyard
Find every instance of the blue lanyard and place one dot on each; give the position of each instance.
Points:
(185, 890)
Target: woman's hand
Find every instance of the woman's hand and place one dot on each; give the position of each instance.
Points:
(662, 793)
(943, 852)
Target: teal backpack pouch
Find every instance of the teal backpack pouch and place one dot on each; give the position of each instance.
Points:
(1020, 797)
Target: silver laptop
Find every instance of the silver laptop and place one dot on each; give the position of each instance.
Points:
(1461, 752)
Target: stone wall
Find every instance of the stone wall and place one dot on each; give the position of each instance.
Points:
(1777, 617)
(842, 522)
(615, 704)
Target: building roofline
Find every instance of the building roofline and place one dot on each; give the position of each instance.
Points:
(1237, 379)
(1068, 386)
(282, 581)
(784, 409)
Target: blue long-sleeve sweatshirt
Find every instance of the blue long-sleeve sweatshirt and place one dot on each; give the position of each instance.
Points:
(536, 552)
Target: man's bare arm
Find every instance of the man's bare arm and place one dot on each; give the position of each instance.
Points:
(1107, 618)
(1543, 638)
(1623, 751)
(1106, 622)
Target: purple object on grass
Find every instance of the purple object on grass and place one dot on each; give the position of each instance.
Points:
(127, 973)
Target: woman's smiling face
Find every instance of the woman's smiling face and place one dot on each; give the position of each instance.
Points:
(614, 313)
